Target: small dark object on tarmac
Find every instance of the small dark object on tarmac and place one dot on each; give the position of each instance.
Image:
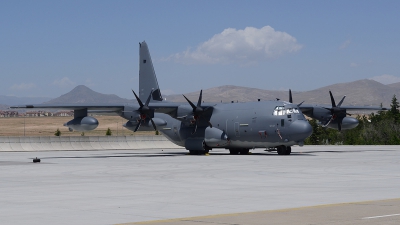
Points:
(36, 160)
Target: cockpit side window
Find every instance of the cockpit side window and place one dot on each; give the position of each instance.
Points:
(281, 111)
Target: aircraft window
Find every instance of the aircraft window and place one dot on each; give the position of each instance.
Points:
(292, 110)
(279, 111)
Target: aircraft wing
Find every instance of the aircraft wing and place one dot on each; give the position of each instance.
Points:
(309, 107)
(115, 109)
(353, 108)
(166, 108)
(99, 107)
(171, 108)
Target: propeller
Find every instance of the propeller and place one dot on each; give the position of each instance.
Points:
(198, 111)
(291, 98)
(337, 113)
(145, 111)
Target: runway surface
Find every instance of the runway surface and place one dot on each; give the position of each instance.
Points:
(154, 186)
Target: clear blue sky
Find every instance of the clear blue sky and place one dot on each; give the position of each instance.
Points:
(49, 47)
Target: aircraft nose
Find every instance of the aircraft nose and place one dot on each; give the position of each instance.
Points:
(301, 130)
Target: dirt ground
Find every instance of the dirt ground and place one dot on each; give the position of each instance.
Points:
(47, 126)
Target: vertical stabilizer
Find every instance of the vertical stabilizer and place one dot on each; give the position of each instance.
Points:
(147, 75)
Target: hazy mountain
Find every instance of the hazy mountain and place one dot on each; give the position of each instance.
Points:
(361, 92)
(228, 93)
(83, 94)
(4, 107)
(13, 100)
(395, 85)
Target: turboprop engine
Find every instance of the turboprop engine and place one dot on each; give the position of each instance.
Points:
(347, 123)
(145, 125)
(86, 123)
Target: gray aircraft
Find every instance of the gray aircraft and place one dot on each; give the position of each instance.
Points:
(200, 127)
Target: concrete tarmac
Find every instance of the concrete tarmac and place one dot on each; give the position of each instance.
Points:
(314, 185)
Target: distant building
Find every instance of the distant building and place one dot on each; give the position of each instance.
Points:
(9, 114)
(64, 113)
(35, 114)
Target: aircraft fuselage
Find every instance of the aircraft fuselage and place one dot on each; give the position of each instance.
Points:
(234, 126)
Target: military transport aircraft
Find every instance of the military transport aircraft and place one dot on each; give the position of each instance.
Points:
(199, 128)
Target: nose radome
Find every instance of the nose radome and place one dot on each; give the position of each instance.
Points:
(300, 130)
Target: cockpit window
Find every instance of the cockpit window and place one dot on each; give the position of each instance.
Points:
(281, 111)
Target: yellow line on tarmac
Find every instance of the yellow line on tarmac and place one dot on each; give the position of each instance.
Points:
(247, 213)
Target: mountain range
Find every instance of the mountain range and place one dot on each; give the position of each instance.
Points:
(362, 93)
(83, 94)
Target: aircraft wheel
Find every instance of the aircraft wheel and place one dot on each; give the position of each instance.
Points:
(281, 150)
(233, 151)
(244, 151)
(288, 150)
(198, 152)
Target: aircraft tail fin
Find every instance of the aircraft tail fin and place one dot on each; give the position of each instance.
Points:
(147, 75)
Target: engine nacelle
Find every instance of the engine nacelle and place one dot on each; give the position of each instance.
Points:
(146, 125)
(215, 137)
(184, 111)
(347, 123)
(86, 123)
(319, 113)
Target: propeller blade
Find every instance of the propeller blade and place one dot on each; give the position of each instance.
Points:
(329, 121)
(300, 104)
(290, 96)
(149, 98)
(138, 99)
(209, 123)
(191, 104)
(195, 128)
(332, 100)
(137, 126)
(339, 126)
(154, 125)
(341, 101)
(200, 98)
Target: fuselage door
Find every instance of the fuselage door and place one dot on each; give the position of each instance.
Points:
(236, 129)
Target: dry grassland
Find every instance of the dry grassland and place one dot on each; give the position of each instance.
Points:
(46, 126)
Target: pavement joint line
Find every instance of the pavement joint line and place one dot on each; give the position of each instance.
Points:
(376, 217)
(263, 211)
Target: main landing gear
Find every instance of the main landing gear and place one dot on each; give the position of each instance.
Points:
(198, 152)
(284, 150)
(237, 151)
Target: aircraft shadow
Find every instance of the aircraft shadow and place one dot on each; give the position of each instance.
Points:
(180, 154)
